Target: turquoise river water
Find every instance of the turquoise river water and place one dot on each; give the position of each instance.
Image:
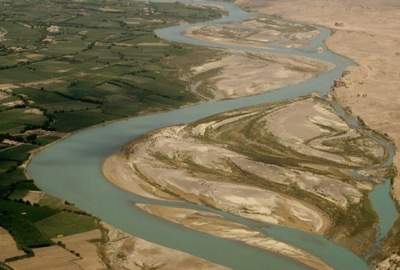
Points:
(71, 169)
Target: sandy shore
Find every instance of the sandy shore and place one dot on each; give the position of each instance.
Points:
(123, 251)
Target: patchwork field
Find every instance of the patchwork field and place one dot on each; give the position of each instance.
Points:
(67, 65)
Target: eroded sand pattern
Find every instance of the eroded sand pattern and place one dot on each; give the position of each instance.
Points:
(270, 163)
(257, 32)
(236, 74)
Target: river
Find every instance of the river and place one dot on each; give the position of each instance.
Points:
(71, 169)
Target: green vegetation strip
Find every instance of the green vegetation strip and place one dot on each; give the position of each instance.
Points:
(71, 65)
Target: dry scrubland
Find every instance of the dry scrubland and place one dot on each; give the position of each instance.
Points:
(369, 33)
(255, 163)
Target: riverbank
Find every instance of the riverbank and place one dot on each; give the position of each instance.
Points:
(120, 250)
(215, 224)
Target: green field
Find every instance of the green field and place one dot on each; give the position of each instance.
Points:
(65, 223)
(69, 65)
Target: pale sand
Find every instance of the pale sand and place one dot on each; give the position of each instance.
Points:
(33, 196)
(216, 225)
(235, 74)
(122, 251)
(256, 32)
(162, 163)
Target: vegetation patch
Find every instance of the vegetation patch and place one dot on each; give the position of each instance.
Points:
(67, 65)
(66, 223)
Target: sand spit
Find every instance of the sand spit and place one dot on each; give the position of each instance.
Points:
(229, 74)
(123, 251)
(257, 32)
(218, 226)
(254, 163)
